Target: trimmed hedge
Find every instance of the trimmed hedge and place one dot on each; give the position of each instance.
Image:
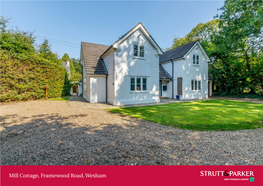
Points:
(24, 78)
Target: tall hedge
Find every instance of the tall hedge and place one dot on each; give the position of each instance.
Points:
(24, 78)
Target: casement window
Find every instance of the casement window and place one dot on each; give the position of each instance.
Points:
(141, 51)
(133, 84)
(144, 84)
(138, 50)
(138, 84)
(197, 59)
(193, 59)
(135, 50)
(195, 85)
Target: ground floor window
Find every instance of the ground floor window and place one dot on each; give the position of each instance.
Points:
(195, 84)
(138, 84)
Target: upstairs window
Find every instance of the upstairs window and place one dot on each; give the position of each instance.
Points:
(135, 50)
(193, 59)
(197, 59)
(141, 51)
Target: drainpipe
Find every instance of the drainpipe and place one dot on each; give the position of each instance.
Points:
(106, 88)
(172, 79)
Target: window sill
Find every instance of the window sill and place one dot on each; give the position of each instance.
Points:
(140, 58)
(196, 65)
(137, 92)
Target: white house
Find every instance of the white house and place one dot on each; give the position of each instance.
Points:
(126, 72)
(184, 73)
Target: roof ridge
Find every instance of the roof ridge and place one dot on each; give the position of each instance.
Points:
(182, 45)
(93, 43)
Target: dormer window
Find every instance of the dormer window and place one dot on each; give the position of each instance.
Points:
(135, 50)
(193, 59)
(141, 51)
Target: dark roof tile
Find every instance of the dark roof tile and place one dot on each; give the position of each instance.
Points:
(163, 74)
(176, 53)
(92, 61)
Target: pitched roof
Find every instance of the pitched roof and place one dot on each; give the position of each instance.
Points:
(163, 74)
(177, 52)
(92, 61)
(127, 34)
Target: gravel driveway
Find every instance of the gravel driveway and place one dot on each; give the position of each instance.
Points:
(55, 133)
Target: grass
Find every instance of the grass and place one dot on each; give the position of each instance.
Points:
(60, 98)
(208, 115)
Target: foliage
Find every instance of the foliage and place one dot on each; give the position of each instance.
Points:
(46, 52)
(65, 98)
(208, 115)
(71, 66)
(24, 78)
(77, 65)
(237, 56)
(201, 32)
(234, 42)
(67, 85)
(25, 70)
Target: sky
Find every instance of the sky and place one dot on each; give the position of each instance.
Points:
(66, 23)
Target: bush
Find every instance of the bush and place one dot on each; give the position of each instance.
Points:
(24, 78)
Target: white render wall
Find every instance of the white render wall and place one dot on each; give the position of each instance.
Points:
(188, 71)
(168, 92)
(79, 88)
(195, 72)
(109, 62)
(97, 89)
(127, 66)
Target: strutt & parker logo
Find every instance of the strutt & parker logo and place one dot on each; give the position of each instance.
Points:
(229, 175)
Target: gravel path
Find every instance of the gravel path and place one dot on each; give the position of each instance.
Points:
(55, 133)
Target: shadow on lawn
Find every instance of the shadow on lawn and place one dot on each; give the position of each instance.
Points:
(217, 115)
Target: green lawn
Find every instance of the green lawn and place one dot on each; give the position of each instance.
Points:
(205, 115)
(60, 98)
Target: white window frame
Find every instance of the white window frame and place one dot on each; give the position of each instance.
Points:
(134, 49)
(197, 59)
(134, 83)
(141, 83)
(139, 51)
(197, 85)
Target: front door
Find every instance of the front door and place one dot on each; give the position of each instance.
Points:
(179, 86)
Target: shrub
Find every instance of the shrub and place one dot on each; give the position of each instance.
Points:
(23, 77)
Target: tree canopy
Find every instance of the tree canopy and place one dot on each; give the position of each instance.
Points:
(234, 43)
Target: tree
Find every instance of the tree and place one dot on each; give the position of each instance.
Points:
(238, 47)
(46, 52)
(201, 32)
(77, 65)
(66, 57)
